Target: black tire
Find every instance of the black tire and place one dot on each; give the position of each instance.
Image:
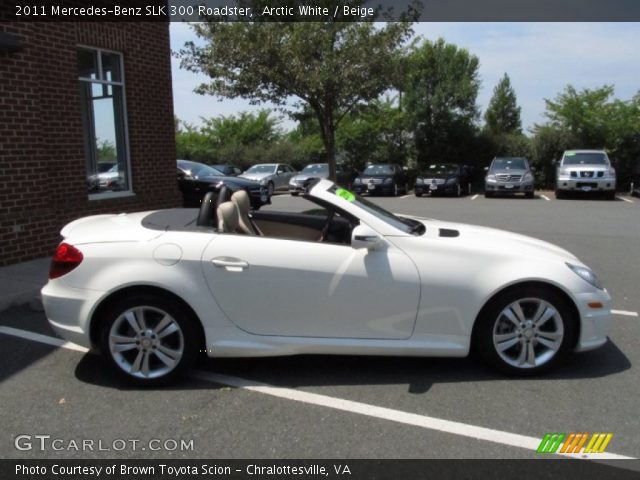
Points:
(395, 191)
(270, 188)
(418, 194)
(529, 194)
(610, 195)
(560, 195)
(488, 194)
(492, 319)
(295, 194)
(186, 338)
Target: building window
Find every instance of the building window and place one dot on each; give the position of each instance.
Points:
(101, 77)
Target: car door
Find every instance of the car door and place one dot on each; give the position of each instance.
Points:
(276, 286)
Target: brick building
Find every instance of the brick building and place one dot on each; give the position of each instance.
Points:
(86, 127)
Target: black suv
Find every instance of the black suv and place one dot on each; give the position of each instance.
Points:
(444, 178)
(383, 178)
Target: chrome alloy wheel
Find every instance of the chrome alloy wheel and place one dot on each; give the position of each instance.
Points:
(528, 333)
(146, 342)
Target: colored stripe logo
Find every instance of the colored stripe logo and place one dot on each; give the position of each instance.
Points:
(574, 442)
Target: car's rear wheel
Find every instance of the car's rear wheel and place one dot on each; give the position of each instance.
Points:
(418, 194)
(529, 194)
(148, 339)
(559, 194)
(488, 194)
(525, 331)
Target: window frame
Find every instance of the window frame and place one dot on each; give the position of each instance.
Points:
(125, 123)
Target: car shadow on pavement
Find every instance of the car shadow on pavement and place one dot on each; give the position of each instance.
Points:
(329, 370)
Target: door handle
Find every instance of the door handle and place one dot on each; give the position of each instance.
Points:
(230, 264)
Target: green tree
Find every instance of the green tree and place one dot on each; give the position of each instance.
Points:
(441, 88)
(503, 113)
(330, 67)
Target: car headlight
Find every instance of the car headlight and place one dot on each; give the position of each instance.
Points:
(587, 275)
(610, 172)
(491, 178)
(563, 172)
(388, 181)
(292, 181)
(357, 181)
(419, 181)
(527, 177)
(264, 181)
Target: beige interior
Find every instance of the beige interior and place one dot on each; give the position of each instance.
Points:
(242, 203)
(228, 221)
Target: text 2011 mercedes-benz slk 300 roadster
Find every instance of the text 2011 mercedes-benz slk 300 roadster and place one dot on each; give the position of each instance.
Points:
(150, 290)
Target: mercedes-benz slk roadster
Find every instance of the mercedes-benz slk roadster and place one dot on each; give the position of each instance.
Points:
(341, 275)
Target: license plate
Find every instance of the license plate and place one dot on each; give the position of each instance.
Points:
(586, 189)
(508, 186)
(371, 186)
(433, 187)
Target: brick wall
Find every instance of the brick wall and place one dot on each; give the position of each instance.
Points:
(42, 165)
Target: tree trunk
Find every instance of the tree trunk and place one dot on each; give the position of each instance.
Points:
(328, 134)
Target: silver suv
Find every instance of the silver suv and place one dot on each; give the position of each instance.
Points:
(585, 171)
(509, 175)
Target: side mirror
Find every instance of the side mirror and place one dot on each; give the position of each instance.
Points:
(365, 237)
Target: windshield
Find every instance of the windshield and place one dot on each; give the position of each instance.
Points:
(444, 169)
(406, 225)
(262, 169)
(199, 169)
(592, 158)
(316, 168)
(378, 170)
(509, 164)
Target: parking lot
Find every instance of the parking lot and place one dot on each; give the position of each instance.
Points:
(353, 407)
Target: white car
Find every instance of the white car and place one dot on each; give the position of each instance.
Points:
(151, 290)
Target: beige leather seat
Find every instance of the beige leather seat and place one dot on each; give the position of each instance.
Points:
(228, 218)
(242, 203)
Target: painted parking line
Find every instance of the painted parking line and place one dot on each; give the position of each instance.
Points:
(474, 197)
(624, 313)
(545, 197)
(628, 200)
(398, 416)
(407, 196)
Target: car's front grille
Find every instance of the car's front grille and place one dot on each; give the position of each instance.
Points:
(434, 181)
(506, 177)
(587, 174)
(375, 181)
(586, 184)
(574, 174)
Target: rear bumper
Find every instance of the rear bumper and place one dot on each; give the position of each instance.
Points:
(69, 309)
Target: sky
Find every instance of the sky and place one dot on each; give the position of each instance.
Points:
(540, 58)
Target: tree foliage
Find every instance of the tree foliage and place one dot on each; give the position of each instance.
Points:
(330, 67)
(441, 88)
(503, 113)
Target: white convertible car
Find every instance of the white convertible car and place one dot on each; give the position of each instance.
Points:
(151, 290)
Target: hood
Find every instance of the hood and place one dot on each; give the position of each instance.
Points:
(125, 227)
(306, 176)
(510, 171)
(495, 240)
(255, 176)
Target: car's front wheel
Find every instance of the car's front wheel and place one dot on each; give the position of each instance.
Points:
(525, 331)
(148, 339)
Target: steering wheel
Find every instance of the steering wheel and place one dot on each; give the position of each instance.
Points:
(327, 226)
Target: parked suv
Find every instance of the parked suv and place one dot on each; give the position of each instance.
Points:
(509, 175)
(585, 171)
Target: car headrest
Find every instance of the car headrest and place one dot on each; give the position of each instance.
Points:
(228, 218)
(242, 200)
(207, 214)
(224, 195)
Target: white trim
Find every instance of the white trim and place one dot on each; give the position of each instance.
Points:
(624, 313)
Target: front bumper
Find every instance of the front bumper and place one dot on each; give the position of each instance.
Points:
(425, 188)
(373, 189)
(568, 183)
(594, 322)
(508, 187)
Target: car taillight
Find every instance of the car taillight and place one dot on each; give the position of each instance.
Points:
(66, 258)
